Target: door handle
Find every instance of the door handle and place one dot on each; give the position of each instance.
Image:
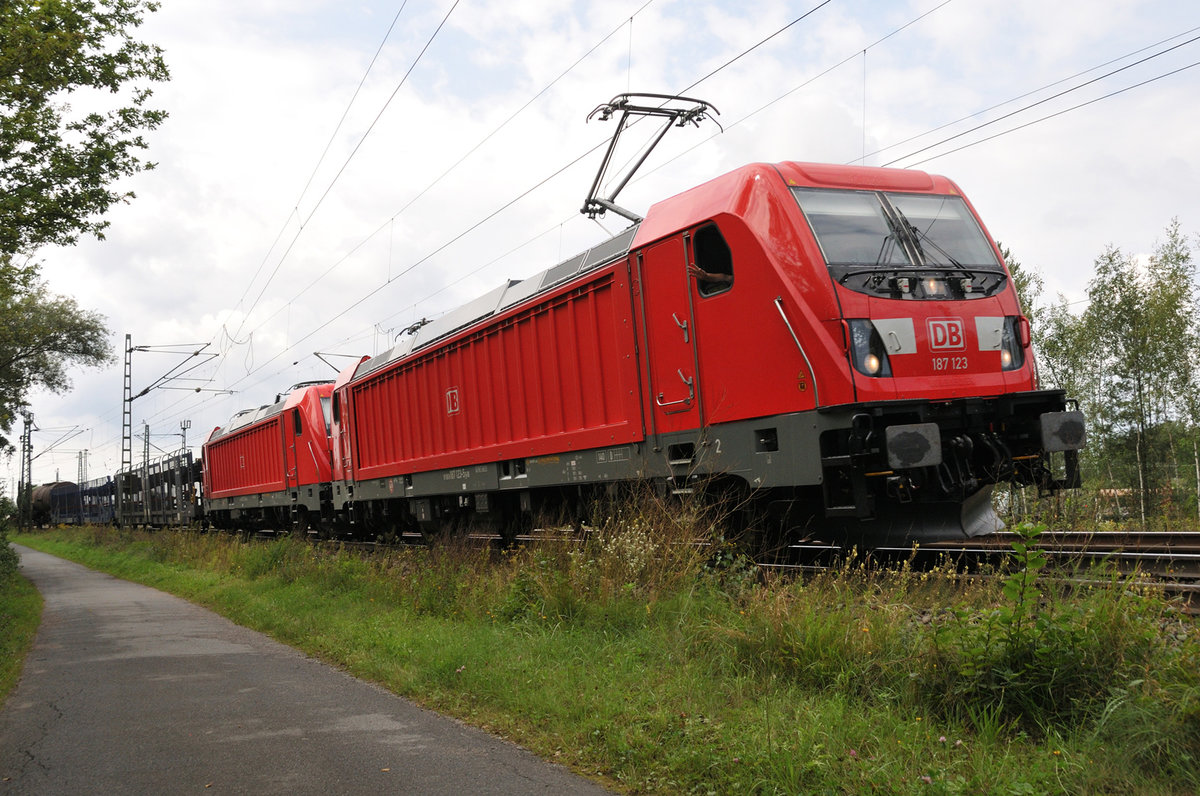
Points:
(691, 393)
(682, 325)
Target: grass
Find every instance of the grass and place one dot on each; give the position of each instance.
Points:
(20, 613)
(650, 664)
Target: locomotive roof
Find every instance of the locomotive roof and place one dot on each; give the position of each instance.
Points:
(248, 417)
(702, 201)
(509, 294)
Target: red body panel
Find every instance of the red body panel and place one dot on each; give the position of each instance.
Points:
(286, 450)
(246, 462)
(558, 374)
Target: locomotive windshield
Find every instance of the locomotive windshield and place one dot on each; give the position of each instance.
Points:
(878, 242)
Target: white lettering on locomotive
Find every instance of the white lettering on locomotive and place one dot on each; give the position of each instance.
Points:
(946, 334)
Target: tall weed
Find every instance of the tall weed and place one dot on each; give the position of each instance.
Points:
(1045, 653)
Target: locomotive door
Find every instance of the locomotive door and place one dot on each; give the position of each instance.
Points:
(670, 337)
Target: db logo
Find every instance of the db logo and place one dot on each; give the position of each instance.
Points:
(946, 333)
(452, 405)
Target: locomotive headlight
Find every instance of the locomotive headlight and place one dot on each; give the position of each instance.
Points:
(1013, 342)
(866, 349)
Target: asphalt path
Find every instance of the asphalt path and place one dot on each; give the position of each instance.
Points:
(131, 690)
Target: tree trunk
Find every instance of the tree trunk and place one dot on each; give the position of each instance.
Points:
(1141, 480)
(1196, 457)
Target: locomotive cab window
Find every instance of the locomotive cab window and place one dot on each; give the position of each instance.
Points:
(712, 261)
(297, 426)
(902, 245)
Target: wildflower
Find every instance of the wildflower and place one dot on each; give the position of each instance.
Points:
(941, 739)
(926, 779)
(1057, 752)
(854, 754)
(459, 670)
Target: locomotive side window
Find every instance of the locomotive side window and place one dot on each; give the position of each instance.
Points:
(712, 261)
(327, 411)
(297, 426)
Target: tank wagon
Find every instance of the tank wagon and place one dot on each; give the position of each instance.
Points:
(839, 345)
(56, 503)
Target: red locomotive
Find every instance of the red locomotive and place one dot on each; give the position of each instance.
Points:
(270, 467)
(828, 343)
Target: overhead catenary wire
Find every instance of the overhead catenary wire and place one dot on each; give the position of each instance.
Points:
(295, 212)
(341, 170)
(444, 174)
(731, 125)
(491, 215)
(1110, 95)
(856, 54)
(1030, 93)
(525, 193)
(246, 315)
(1054, 97)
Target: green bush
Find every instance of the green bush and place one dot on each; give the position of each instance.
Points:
(8, 556)
(1042, 656)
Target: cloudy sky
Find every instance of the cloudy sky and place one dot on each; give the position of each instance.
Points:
(323, 182)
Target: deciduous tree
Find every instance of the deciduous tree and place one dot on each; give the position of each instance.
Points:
(74, 87)
(74, 84)
(42, 335)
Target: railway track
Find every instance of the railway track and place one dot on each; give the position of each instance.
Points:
(1169, 560)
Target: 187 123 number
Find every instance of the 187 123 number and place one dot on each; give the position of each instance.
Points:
(949, 363)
